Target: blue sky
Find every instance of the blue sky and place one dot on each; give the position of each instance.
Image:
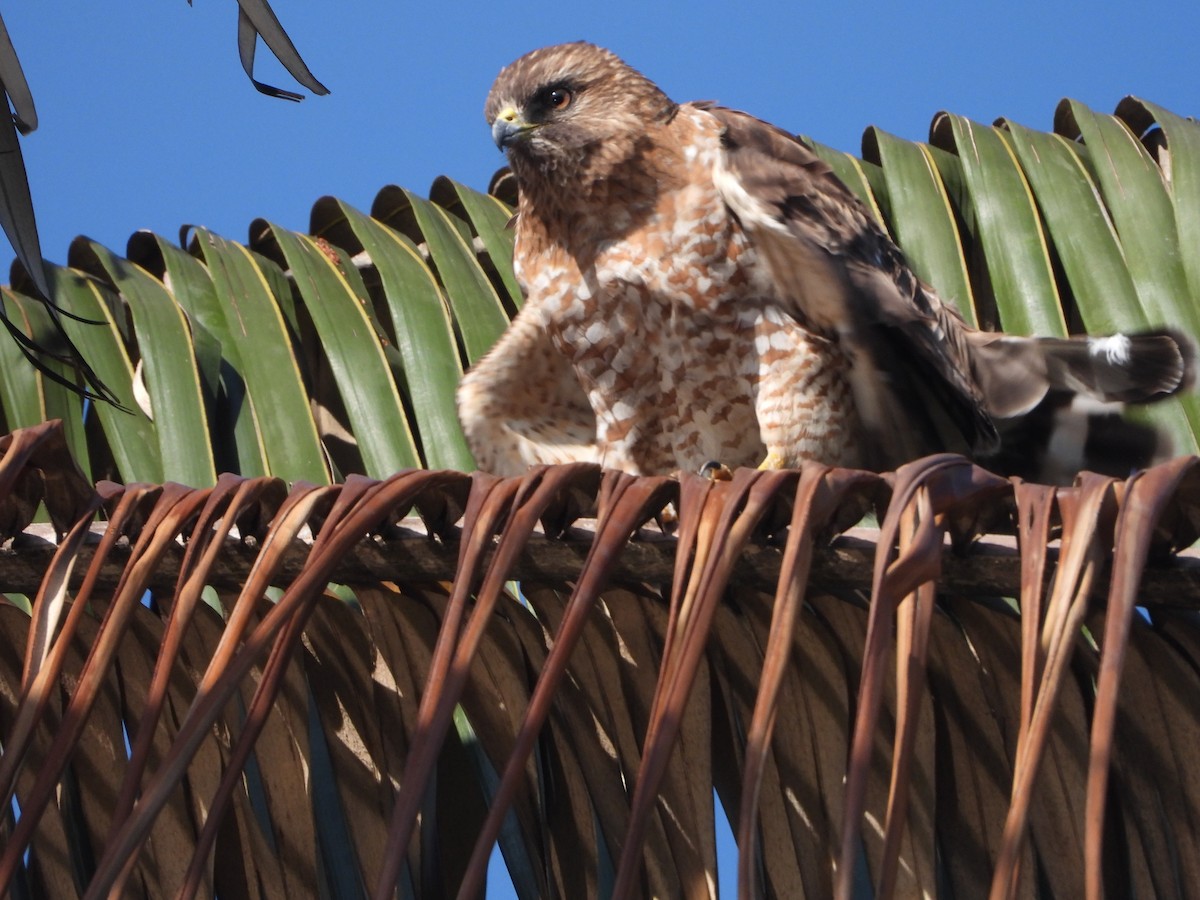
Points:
(148, 122)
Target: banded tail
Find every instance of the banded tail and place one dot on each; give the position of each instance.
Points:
(1057, 402)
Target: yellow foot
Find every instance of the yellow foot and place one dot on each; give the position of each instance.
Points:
(668, 519)
(715, 470)
(773, 461)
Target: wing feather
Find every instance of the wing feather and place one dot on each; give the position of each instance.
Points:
(839, 274)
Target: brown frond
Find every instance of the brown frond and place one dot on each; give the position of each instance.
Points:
(235, 689)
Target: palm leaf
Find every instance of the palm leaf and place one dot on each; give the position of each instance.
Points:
(304, 358)
(335, 719)
(864, 706)
(256, 19)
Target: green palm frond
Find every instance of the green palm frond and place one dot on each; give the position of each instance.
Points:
(302, 356)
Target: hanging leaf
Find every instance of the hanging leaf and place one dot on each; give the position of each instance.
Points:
(478, 312)
(352, 347)
(920, 212)
(1007, 227)
(169, 365)
(255, 19)
(261, 354)
(424, 337)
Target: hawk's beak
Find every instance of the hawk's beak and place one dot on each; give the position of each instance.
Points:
(509, 128)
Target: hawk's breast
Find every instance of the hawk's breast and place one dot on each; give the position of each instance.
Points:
(679, 341)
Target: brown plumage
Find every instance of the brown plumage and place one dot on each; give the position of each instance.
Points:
(700, 286)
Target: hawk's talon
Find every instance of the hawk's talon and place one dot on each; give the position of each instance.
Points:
(715, 470)
(668, 519)
(772, 462)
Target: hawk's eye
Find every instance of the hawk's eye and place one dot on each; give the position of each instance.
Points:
(559, 98)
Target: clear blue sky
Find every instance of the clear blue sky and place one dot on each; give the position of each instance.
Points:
(148, 122)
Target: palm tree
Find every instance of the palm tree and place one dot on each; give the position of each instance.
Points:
(363, 681)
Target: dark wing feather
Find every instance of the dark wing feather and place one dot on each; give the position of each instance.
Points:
(840, 275)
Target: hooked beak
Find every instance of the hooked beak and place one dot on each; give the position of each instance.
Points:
(509, 127)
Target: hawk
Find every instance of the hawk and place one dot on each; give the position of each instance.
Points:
(700, 286)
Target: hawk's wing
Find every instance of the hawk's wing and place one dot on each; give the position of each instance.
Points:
(838, 274)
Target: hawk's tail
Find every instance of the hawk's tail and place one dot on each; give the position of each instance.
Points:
(1067, 414)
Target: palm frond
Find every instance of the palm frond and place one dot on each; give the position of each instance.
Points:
(892, 728)
(330, 694)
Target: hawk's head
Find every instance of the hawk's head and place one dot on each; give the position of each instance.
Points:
(570, 113)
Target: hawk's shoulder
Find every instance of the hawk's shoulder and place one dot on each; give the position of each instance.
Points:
(836, 270)
(795, 186)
